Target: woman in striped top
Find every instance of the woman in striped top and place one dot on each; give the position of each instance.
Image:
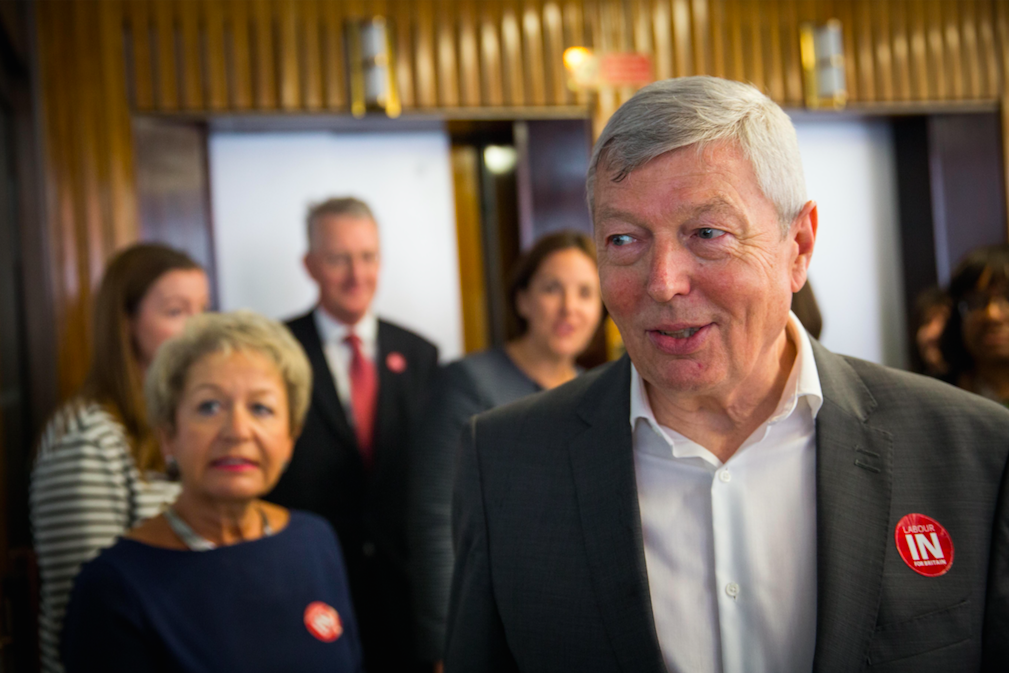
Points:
(98, 471)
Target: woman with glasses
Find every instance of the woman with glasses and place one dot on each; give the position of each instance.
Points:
(975, 342)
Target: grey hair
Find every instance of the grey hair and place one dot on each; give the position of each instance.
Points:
(676, 113)
(211, 333)
(335, 207)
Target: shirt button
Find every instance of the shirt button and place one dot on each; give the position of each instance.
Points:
(732, 589)
(725, 476)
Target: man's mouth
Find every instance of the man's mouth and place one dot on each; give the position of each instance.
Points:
(681, 333)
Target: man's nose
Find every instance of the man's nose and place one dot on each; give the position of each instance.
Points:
(669, 272)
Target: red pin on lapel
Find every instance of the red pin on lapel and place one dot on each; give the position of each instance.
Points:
(395, 362)
(323, 622)
(924, 545)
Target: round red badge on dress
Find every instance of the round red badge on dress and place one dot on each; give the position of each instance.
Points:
(323, 622)
(395, 362)
(924, 545)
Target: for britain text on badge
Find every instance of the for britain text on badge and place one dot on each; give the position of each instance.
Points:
(323, 622)
(924, 545)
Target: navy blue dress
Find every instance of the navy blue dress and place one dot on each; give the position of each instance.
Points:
(254, 606)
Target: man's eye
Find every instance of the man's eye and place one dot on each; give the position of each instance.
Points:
(709, 233)
(620, 239)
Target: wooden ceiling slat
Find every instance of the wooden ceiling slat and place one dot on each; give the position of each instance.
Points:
(774, 60)
(938, 71)
(700, 35)
(490, 54)
(988, 49)
(574, 31)
(553, 33)
(511, 38)
(217, 68)
(448, 70)
(192, 67)
(792, 62)
(310, 55)
(954, 49)
(164, 30)
(333, 58)
(918, 50)
(143, 73)
(424, 55)
(264, 68)
(535, 69)
(682, 47)
(469, 54)
(289, 80)
(900, 50)
(662, 29)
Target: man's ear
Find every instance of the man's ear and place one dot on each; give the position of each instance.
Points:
(310, 261)
(803, 238)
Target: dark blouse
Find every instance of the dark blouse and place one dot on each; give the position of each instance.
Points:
(462, 389)
(245, 607)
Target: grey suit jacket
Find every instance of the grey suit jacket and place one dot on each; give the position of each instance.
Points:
(550, 571)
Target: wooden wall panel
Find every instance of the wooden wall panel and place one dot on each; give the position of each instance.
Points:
(88, 162)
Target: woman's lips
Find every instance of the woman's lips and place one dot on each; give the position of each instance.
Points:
(680, 339)
(233, 464)
(564, 329)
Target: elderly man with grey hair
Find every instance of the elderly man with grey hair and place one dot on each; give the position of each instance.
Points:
(730, 496)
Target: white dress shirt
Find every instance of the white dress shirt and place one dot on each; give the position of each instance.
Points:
(338, 352)
(730, 549)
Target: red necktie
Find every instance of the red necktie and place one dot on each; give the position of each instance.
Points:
(363, 396)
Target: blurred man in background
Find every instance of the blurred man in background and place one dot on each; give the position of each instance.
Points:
(350, 463)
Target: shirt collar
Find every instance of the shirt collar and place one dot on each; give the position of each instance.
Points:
(803, 382)
(332, 330)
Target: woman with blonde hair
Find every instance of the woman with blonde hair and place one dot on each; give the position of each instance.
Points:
(98, 471)
(222, 580)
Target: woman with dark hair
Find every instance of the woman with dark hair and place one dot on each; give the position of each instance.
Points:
(975, 342)
(98, 470)
(556, 309)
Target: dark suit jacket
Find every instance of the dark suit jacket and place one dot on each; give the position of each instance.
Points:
(327, 475)
(550, 572)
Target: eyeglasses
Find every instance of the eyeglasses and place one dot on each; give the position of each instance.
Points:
(979, 301)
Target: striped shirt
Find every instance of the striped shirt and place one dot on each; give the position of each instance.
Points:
(86, 491)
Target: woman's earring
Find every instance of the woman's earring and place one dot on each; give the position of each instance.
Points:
(171, 468)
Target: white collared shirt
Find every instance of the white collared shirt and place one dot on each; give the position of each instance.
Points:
(332, 333)
(730, 548)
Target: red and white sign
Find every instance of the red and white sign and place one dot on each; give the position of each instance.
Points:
(625, 69)
(924, 545)
(323, 622)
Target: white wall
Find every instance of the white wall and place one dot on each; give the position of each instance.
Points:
(262, 185)
(851, 173)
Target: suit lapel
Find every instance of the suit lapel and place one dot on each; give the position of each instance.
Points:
(389, 389)
(324, 395)
(853, 473)
(603, 469)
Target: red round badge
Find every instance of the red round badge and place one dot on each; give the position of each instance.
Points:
(395, 362)
(323, 622)
(924, 545)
